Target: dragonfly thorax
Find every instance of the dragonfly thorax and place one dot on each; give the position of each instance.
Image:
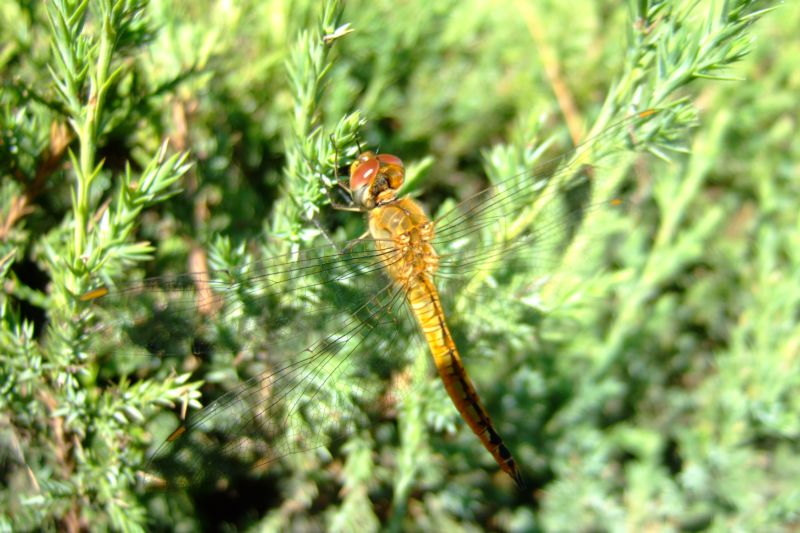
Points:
(403, 234)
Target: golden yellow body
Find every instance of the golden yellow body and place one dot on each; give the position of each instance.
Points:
(403, 234)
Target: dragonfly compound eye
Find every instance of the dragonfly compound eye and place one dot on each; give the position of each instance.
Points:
(363, 170)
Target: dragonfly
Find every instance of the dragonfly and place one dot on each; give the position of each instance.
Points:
(328, 318)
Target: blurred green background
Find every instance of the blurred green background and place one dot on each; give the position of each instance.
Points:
(652, 385)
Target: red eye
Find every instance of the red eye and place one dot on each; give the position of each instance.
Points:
(364, 170)
(392, 167)
(389, 159)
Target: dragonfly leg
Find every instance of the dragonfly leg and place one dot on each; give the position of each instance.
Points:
(340, 183)
(351, 244)
(339, 206)
(330, 240)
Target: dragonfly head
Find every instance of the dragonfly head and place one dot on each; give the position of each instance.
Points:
(374, 179)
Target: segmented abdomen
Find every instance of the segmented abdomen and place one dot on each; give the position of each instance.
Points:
(424, 300)
(403, 235)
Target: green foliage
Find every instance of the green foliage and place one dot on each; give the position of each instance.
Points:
(646, 378)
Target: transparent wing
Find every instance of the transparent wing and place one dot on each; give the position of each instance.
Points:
(319, 393)
(306, 314)
(265, 303)
(524, 223)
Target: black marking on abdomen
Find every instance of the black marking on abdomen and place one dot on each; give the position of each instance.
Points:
(505, 455)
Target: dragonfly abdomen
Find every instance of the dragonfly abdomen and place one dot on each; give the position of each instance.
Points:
(424, 301)
(403, 235)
